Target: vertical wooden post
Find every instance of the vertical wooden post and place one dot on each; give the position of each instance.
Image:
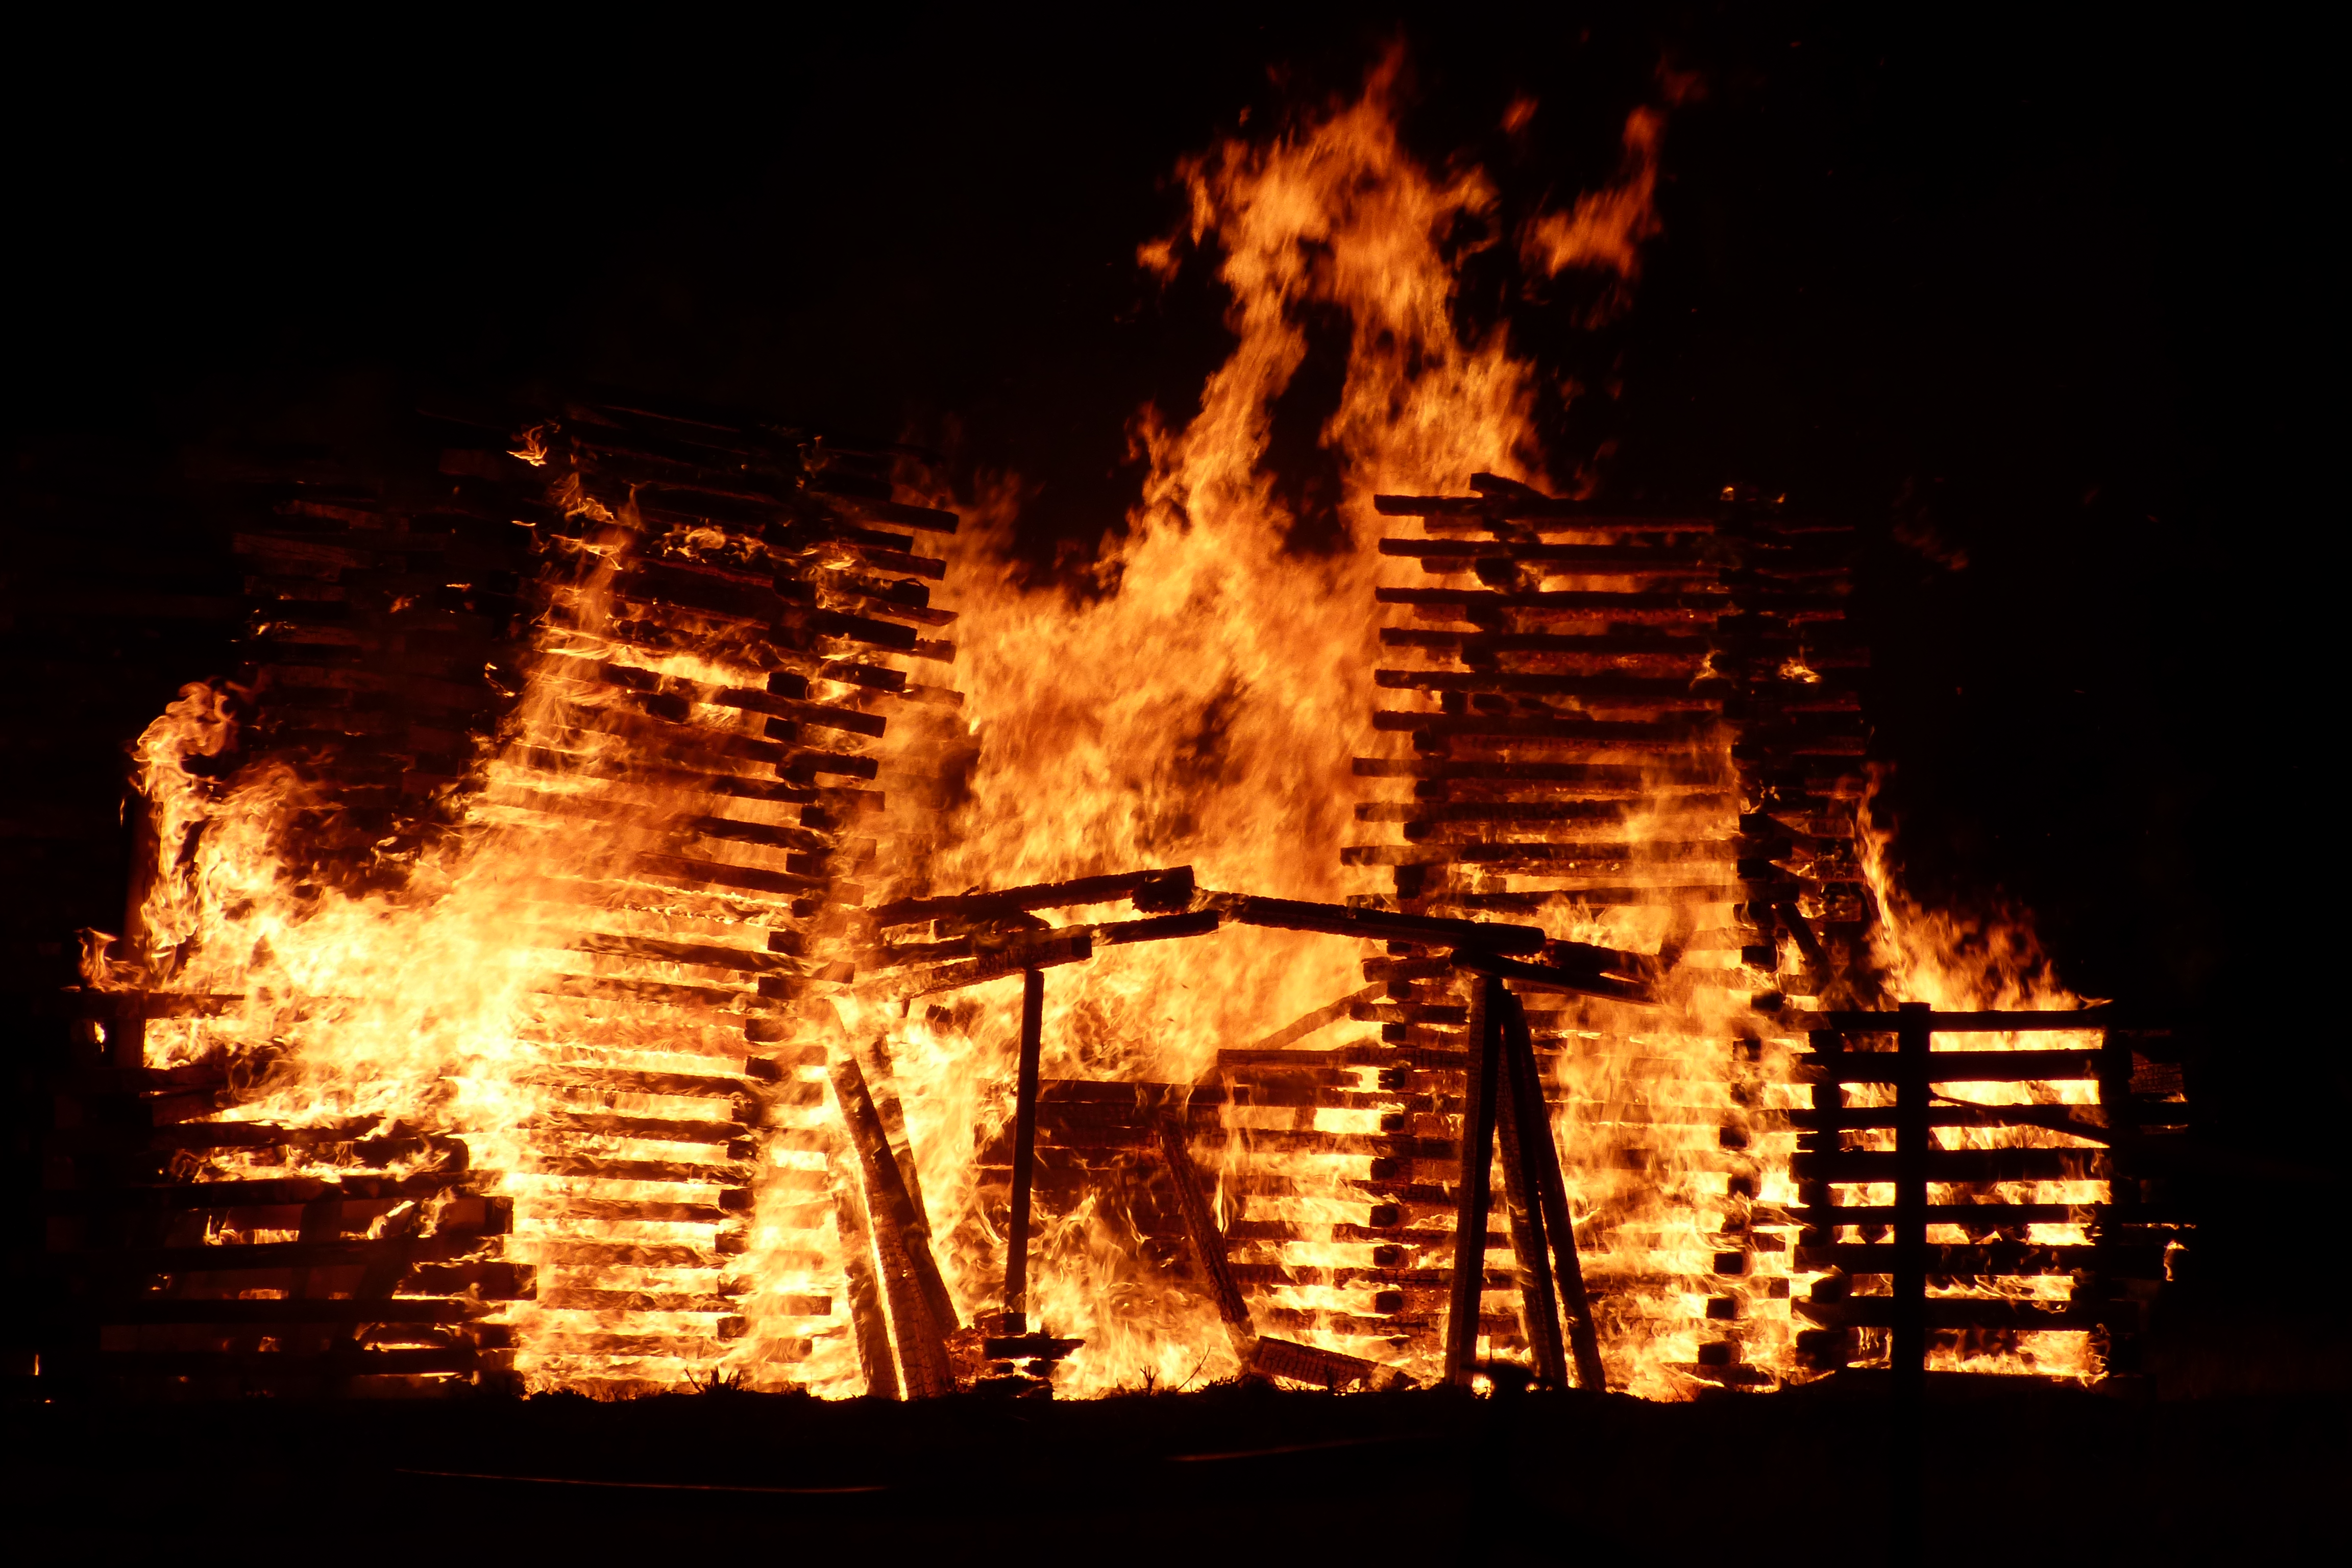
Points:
(1472, 1192)
(1522, 1197)
(1024, 1152)
(1908, 1454)
(1912, 1140)
(1551, 1192)
(1825, 1138)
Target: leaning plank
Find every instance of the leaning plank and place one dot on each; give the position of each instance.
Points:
(1471, 1188)
(873, 1330)
(1550, 1189)
(1201, 1231)
(920, 1307)
(1520, 1119)
(1321, 1368)
(1298, 1029)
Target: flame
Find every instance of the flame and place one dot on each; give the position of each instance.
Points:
(1959, 963)
(514, 985)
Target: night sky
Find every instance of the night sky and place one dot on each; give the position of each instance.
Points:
(2034, 307)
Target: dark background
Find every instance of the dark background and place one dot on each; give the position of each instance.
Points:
(2031, 304)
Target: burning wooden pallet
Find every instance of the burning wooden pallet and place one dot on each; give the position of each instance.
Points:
(1626, 856)
(698, 640)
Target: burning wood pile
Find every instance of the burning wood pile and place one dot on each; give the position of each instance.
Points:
(301, 1149)
(536, 955)
(579, 948)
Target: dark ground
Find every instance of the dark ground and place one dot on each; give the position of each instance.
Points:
(2035, 303)
(2023, 1476)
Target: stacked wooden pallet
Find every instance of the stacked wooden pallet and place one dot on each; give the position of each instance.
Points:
(192, 1250)
(705, 653)
(1954, 1222)
(728, 654)
(1619, 724)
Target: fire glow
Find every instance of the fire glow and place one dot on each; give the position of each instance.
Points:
(718, 1119)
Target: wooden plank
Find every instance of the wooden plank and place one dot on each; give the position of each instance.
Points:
(268, 1313)
(1529, 506)
(1564, 602)
(1598, 734)
(1207, 1246)
(1029, 957)
(1024, 1152)
(1979, 1023)
(1341, 920)
(1477, 1146)
(1947, 1066)
(1614, 776)
(1611, 559)
(871, 1328)
(1580, 982)
(1521, 1119)
(1550, 1189)
(1162, 889)
(921, 1312)
(1972, 1312)
(2142, 1260)
(1643, 691)
(1690, 642)
(1953, 1165)
(1316, 1367)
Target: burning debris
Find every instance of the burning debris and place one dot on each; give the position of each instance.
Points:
(579, 948)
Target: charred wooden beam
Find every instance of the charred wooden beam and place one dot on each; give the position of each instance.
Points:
(1522, 504)
(1344, 919)
(1317, 1368)
(1165, 889)
(1200, 1232)
(921, 1309)
(1029, 958)
(871, 1328)
(1477, 1158)
(1551, 1190)
(1978, 1023)
(1299, 1028)
(1521, 1119)
(1950, 1067)
(1024, 1152)
(1581, 981)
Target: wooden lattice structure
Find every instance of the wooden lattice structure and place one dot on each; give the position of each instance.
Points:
(1625, 927)
(391, 632)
